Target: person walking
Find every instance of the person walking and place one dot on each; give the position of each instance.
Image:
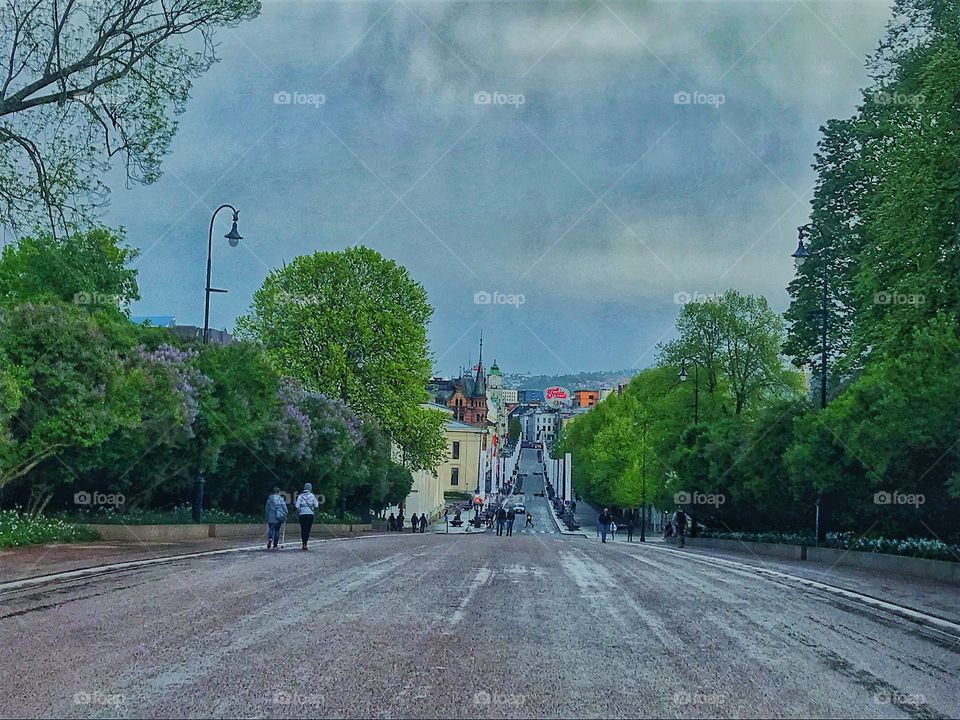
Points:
(680, 526)
(306, 505)
(275, 513)
(400, 520)
(603, 522)
(629, 530)
(414, 522)
(511, 517)
(423, 522)
(501, 520)
(529, 522)
(392, 522)
(613, 530)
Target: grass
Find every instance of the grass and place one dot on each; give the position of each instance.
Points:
(17, 530)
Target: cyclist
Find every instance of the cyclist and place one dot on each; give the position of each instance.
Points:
(680, 526)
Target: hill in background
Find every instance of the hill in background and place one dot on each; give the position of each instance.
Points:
(593, 380)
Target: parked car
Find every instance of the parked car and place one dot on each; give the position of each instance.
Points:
(520, 508)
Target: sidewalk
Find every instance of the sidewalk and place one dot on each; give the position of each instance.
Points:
(927, 596)
(34, 560)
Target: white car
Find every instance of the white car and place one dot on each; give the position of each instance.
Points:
(520, 509)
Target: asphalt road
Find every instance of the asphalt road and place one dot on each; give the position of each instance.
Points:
(433, 625)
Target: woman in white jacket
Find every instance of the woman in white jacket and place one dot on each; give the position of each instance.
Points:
(306, 505)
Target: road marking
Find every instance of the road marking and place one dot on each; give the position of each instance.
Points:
(483, 575)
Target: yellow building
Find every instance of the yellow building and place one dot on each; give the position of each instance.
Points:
(458, 473)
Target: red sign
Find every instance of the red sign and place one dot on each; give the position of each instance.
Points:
(478, 500)
(557, 393)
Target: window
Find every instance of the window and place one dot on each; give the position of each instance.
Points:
(454, 476)
(455, 452)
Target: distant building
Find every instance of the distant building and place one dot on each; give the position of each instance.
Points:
(466, 395)
(457, 473)
(530, 397)
(586, 398)
(184, 332)
(510, 396)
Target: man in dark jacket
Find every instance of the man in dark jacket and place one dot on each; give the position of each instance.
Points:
(392, 522)
(400, 521)
(423, 522)
(501, 520)
(414, 522)
(604, 522)
(511, 518)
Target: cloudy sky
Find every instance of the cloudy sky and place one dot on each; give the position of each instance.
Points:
(582, 166)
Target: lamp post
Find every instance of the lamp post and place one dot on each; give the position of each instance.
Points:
(696, 385)
(643, 483)
(234, 238)
(799, 257)
(354, 361)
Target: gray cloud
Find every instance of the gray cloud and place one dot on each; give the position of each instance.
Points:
(505, 197)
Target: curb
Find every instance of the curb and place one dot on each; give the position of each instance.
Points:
(108, 569)
(924, 619)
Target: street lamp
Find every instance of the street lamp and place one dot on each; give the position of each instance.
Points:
(800, 256)
(643, 484)
(696, 385)
(234, 238)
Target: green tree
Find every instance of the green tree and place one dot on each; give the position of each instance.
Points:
(71, 388)
(88, 268)
(353, 325)
(88, 82)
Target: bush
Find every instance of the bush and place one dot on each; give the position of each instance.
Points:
(17, 529)
(180, 515)
(910, 547)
